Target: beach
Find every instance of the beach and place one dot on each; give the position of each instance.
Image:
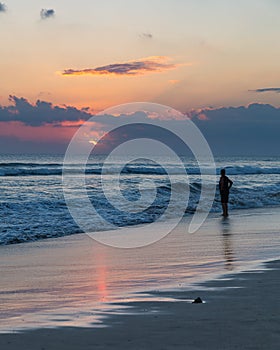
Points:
(74, 293)
(240, 313)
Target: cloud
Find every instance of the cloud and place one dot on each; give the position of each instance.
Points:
(146, 36)
(3, 7)
(267, 90)
(174, 81)
(130, 68)
(244, 130)
(41, 113)
(47, 13)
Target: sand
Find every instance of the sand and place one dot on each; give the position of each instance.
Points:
(48, 278)
(239, 313)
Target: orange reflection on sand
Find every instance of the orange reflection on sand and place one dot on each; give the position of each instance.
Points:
(102, 275)
(101, 283)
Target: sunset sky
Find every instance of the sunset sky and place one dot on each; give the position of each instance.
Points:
(91, 55)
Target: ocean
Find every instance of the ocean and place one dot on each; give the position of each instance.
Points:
(32, 204)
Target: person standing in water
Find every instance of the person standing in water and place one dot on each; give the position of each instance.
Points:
(224, 185)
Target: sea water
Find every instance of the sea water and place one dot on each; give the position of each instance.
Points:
(32, 204)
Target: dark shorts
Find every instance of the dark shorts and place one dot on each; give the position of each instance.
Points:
(224, 197)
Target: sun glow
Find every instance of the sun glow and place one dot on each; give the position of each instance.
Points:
(93, 142)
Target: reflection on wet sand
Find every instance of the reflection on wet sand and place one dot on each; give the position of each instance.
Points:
(227, 243)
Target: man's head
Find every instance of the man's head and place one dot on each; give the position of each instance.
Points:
(223, 172)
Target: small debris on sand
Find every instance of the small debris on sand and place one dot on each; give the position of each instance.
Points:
(197, 301)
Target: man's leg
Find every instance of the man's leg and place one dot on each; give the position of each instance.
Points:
(226, 209)
(224, 206)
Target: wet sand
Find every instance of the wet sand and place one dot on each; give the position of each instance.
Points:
(72, 293)
(238, 313)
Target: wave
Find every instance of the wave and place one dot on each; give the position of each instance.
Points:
(251, 170)
(52, 169)
(32, 204)
(36, 216)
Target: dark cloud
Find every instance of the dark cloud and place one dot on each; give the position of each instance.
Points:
(267, 90)
(245, 130)
(47, 13)
(146, 35)
(40, 113)
(131, 68)
(3, 7)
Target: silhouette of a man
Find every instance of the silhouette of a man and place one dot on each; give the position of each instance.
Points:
(224, 185)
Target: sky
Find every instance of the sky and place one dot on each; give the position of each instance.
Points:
(63, 61)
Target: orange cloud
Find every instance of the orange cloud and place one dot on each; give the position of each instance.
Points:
(174, 81)
(154, 64)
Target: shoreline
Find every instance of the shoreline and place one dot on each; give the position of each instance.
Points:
(241, 312)
(211, 215)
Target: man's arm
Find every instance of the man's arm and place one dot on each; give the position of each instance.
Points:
(230, 183)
